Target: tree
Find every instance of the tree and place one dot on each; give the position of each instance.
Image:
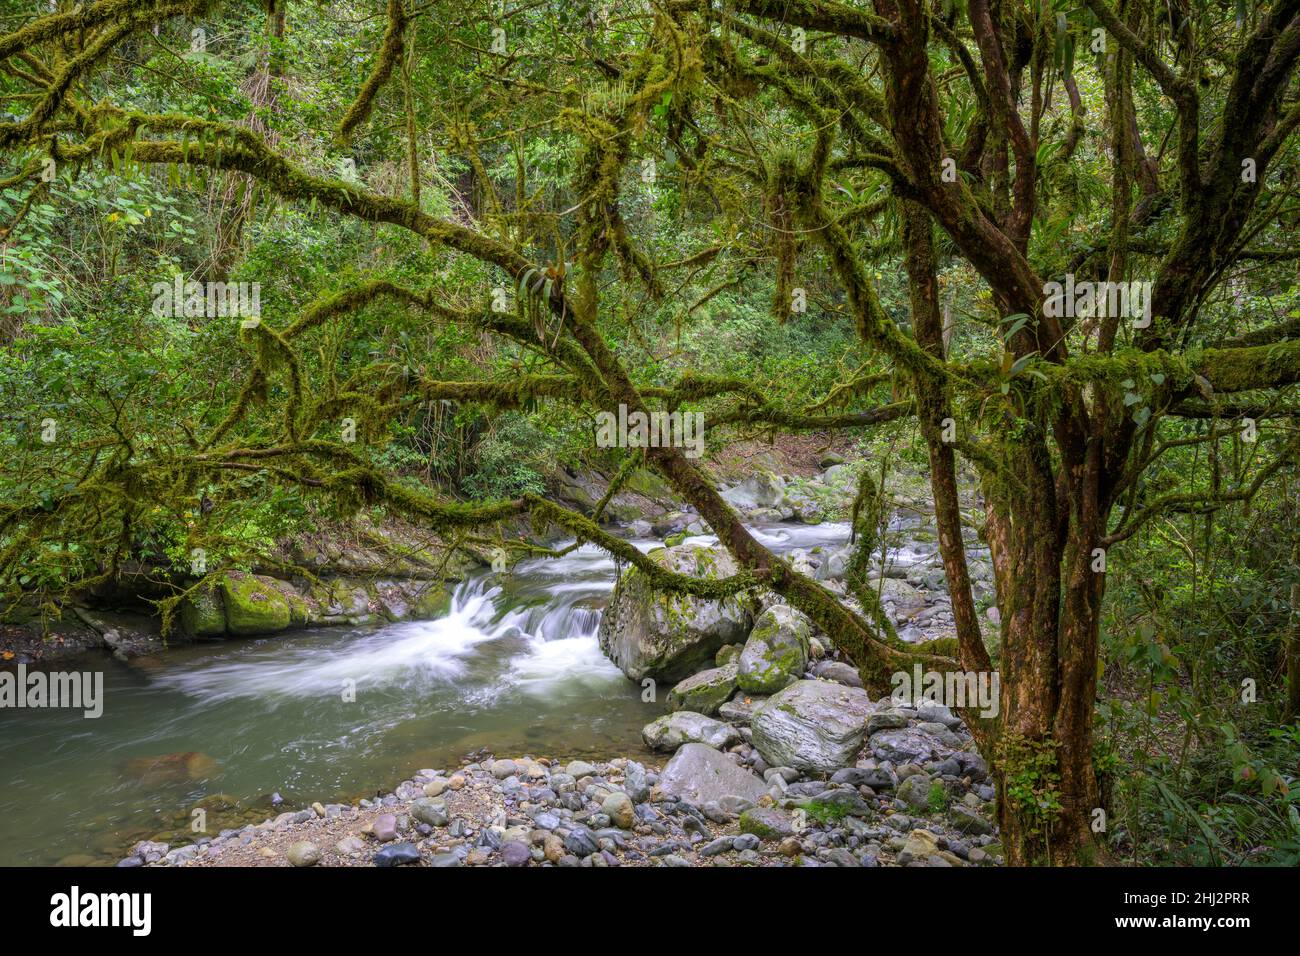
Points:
(810, 134)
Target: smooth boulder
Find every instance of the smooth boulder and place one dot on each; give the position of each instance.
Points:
(699, 774)
(685, 727)
(812, 725)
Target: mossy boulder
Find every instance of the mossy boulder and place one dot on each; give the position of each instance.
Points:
(767, 823)
(254, 604)
(203, 613)
(669, 637)
(706, 691)
(431, 602)
(776, 652)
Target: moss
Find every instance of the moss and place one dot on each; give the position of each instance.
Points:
(825, 812)
(253, 606)
(203, 614)
(435, 602)
(752, 823)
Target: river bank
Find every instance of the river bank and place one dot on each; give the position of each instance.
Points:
(703, 808)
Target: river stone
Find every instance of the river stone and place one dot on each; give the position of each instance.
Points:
(683, 726)
(966, 820)
(812, 725)
(915, 791)
(397, 854)
(385, 827)
(351, 846)
(618, 807)
(919, 845)
(906, 745)
(767, 823)
(698, 774)
(727, 654)
(740, 709)
(430, 811)
(668, 637)
(516, 853)
(706, 691)
(776, 652)
(887, 719)
(581, 842)
(839, 672)
(254, 605)
(304, 853)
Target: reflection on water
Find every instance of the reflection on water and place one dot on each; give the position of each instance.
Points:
(329, 714)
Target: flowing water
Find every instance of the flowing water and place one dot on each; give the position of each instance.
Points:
(513, 668)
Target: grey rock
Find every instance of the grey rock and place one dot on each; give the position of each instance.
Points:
(698, 774)
(581, 842)
(432, 812)
(682, 727)
(515, 853)
(669, 637)
(397, 854)
(706, 691)
(812, 725)
(839, 672)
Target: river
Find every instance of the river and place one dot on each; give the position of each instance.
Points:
(513, 668)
